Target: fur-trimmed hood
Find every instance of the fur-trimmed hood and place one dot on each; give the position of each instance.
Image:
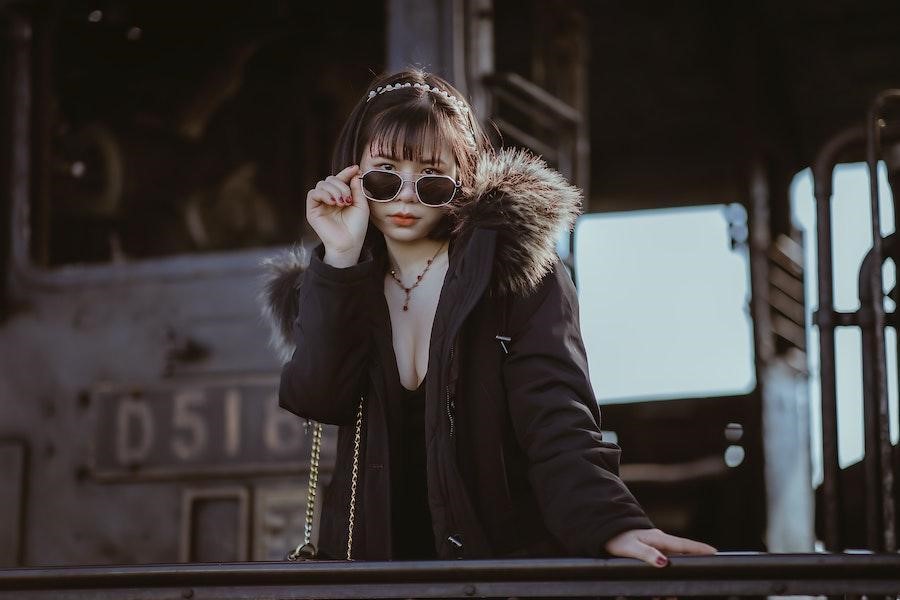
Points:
(514, 192)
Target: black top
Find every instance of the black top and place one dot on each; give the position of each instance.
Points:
(412, 533)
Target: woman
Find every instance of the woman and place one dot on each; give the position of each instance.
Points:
(437, 300)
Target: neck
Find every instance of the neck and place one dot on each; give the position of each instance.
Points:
(410, 258)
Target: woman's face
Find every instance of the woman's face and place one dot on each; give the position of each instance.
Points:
(404, 218)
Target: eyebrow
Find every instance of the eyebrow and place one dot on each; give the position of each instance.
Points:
(438, 163)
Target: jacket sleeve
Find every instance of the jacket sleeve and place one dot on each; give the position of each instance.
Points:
(332, 339)
(573, 471)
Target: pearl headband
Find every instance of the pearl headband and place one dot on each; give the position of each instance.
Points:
(459, 104)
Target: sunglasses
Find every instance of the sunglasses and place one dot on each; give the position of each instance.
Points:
(431, 190)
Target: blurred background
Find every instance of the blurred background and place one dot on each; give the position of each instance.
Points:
(153, 153)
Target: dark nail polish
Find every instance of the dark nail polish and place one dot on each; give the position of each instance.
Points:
(661, 561)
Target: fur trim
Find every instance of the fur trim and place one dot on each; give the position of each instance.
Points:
(515, 192)
(529, 204)
(278, 297)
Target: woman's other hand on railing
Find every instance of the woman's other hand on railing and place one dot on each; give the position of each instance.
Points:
(649, 545)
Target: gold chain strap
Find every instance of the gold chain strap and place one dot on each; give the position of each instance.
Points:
(313, 482)
(307, 550)
(354, 477)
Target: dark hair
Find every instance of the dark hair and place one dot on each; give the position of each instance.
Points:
(401, 122)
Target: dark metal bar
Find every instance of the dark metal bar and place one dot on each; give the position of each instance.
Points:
(872, 456)
(535, 94)
(847, 589)
(824, 318)
(877, 394)
(769, 574)
(844, 319)
(546, 152)
(536, 111)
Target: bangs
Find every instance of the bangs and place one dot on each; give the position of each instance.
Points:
(414, 133)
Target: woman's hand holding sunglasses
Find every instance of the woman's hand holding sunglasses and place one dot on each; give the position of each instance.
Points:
(338, 212)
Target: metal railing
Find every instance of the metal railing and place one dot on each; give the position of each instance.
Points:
(871, 319)
(734, 574)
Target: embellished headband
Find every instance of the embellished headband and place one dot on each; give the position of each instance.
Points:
(434, 90)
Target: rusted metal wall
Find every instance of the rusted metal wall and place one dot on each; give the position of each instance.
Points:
(138, 394)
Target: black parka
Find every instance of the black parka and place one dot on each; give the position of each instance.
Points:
(516, 464)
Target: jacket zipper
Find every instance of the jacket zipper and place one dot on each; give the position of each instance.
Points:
(448, 403)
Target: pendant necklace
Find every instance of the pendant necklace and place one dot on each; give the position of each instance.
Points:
(418, 278)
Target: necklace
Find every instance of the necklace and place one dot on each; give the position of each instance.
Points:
(418, 278)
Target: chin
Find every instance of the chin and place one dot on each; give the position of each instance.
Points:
(405, 236)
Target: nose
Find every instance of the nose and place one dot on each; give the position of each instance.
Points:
(407, 191)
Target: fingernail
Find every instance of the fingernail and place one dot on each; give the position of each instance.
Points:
(661, 561)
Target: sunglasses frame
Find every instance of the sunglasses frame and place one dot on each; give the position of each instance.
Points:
(456, 186)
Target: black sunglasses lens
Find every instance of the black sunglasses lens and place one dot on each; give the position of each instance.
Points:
(434, 190)
(381, 185)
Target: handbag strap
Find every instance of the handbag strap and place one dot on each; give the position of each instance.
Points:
(307, 550)
(354, 477)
